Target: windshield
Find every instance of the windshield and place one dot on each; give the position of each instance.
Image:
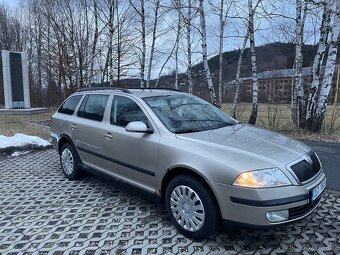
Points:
(186, 113)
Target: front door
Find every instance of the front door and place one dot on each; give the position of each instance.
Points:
(132, 156)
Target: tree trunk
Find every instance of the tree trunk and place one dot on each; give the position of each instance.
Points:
(220, 53)
(298, 97)
(253, 115)
(119, 45)
(177, 41)
(189, 74)
(205, 55)
(313, 89)
(110, 54)
(152, 50)
(329, 70)
(95, 39)
(237, 79)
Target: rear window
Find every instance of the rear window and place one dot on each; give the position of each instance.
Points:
(70, 105)
(93, 107)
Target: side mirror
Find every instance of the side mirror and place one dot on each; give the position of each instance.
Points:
(138, 126)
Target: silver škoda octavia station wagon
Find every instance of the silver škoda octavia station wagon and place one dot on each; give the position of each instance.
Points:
(207, 167)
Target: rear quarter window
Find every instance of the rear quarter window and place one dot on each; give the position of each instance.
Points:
(70, 105)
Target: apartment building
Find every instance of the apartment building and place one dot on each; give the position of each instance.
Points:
(276, 86)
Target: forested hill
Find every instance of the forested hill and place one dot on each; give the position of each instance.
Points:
(269, 57)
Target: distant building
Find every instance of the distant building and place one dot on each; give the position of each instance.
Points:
(275, 86)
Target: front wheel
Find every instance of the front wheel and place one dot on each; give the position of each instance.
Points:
(69, 161)
(192, 207)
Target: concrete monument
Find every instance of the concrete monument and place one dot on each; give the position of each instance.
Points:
(15, 80)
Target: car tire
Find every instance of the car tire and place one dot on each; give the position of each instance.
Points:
(69, 161)
(192, 207)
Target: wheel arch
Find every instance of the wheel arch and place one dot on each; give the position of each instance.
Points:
(63, 140)
(181, 170)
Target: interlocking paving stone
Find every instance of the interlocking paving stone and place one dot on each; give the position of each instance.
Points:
(41, 212)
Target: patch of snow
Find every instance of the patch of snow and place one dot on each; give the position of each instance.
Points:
(18, 153)
(20, 140)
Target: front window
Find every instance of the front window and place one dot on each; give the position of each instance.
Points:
(124, 110)
(185, 113)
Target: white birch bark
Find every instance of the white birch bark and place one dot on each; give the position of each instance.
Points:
(298, 100)
(313, 89)
(223, 18)
(253, 115)
(177, 42)
(220, 53)
(189, 53)
(329, 69)
(205, 54)
(238, 72)
(152, 50)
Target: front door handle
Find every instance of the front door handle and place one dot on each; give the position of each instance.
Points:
(108, 136)
(73, 126)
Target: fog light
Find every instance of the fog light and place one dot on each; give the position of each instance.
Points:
(277, 216)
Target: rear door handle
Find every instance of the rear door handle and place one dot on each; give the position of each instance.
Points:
(73, 126)
(108, 136)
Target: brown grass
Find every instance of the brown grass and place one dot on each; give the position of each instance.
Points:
(12, 124)
(284, 121)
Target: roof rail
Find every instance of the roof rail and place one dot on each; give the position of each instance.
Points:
(104, 88)
(173, 89)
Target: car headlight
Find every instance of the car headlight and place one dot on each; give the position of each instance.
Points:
(265, 178)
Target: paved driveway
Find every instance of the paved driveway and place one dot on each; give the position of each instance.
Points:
(41, 212)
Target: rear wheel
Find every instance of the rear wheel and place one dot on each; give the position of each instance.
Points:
(192, 207)
(69, 161)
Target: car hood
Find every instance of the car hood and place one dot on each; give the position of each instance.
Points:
(246, 142)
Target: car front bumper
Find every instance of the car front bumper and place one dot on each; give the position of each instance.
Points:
(249, 206)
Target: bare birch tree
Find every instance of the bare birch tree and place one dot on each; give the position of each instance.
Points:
(298, 97)
(141, 13)
(253, 115)
(207, 73)
(109, 60)
(178, 34)
(189, 53)
(223, 17)
(95, 38)
(154, 36)
(316, 69)
(238, 72)
(326, 84)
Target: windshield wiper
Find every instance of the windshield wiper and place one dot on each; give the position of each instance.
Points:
(189, 131)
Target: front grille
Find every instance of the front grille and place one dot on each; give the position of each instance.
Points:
(299, 211)
(305, 171)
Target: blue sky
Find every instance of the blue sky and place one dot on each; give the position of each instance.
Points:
(11, 3)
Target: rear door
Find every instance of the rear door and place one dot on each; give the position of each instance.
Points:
(131, 156)
(87, 129)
